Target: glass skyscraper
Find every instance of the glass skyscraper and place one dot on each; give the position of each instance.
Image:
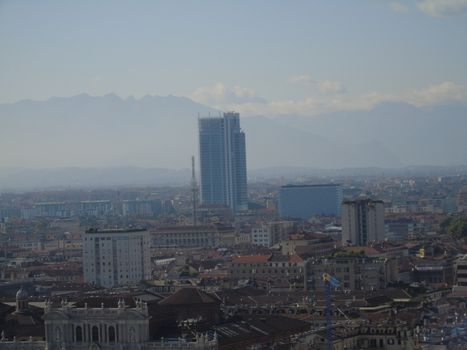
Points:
(222, 156)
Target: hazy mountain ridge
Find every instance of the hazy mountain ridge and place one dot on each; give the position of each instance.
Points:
(20, 179)
(161, 132)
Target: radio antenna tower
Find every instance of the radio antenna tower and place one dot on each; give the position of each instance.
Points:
(194, 191)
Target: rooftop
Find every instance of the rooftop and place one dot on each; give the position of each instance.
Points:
(251, 259)
(315, 185)
(115, 230)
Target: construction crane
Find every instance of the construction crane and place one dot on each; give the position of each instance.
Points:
(329, 283)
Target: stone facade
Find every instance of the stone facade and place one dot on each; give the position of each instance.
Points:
(121, 328)
(354, 272)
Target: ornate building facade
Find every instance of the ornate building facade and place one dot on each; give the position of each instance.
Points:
(120, 328)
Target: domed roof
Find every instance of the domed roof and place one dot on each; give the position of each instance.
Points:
(22, 294)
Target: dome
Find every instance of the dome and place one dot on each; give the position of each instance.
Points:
(21, 294)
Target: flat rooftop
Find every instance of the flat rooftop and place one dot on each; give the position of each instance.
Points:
(115, 230)
(313, 185)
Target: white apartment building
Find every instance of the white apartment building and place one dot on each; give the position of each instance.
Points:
(362, 221)
(261, 235)
(268, 234)
(116, 257)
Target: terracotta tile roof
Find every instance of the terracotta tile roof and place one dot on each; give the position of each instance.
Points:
(295, 259)
(366, 250)
(189, 296)
(251, 259)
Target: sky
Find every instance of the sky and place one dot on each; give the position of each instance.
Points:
(257, 57)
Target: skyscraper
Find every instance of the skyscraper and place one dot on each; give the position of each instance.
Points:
(362, 221)
(223, 161)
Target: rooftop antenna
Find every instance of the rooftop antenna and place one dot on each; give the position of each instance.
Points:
(194, 191)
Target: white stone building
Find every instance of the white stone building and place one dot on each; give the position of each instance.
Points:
(261, 235)
(116, 257)
(121, 328)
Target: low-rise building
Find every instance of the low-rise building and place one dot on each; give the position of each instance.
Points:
(280, 271)
(355, 272)
(206, 236)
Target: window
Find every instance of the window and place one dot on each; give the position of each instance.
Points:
(111, 334)
(79, 334)
(95, 334)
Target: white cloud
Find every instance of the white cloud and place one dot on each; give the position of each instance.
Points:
(398, 7)
(307, 106)
(250, 104)
(443, 7)
(437, 94)
(324, 86)
(328, 86)
(219, 94)
(301, 79)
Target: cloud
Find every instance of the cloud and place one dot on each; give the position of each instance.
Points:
(307, 106)
(398, 7)
(324, 86)
(444, 92)
(220, 94)
(443, 7)
(247, 103)
(334, 87)
(301, 79)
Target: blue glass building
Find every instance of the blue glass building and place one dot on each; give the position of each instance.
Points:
(222, 156)
(305, 201)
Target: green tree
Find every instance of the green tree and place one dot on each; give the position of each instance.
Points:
(458, 227)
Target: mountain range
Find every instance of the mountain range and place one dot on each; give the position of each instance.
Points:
(161, 132)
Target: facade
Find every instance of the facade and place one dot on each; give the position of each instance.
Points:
(399, 230)
(116, 257)
(101, 328)
(388, 336)
(185, 236)
(268, 234)
(305, 201)
(52, 210)
(354, 272)
(434, 272)
(362, 222)
(461, 274)
(96, 208)
(261, 235)
(275, 270)
(223, 162)
(141, 207)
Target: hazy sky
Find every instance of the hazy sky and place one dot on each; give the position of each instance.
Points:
(268, 57)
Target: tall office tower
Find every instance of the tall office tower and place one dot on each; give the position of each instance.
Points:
(305, 201)
(362, 221)
(222, 156)
(115, 257)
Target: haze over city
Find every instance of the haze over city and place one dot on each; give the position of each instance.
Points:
(233, 174)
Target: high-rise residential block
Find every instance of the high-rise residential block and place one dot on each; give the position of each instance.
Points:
(305, 201)
(223, 161)
(362, 221)
(115, 257)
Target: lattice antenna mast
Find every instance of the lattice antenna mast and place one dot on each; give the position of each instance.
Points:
(194, 191)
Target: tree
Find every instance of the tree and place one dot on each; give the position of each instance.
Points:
(458, 227)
